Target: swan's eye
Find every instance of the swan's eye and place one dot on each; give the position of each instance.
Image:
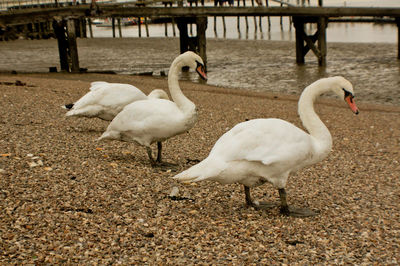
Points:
(347, 94)
(199, 64)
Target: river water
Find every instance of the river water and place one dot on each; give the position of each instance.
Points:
(366, 54)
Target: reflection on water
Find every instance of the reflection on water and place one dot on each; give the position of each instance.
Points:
(336, 32)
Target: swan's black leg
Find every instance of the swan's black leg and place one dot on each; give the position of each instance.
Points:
(149, 152)
(159, 147)
(292, 211)
(260, 205)
(249, 202)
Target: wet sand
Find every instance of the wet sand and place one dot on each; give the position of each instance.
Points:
(256, 65)
(68, 199)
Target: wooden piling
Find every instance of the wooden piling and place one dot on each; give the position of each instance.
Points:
(269, 19)
(238, 18)
(81, 27)
(139, 24)
(90, 28)
(183, 35)
(322, 24)
(173, 27)
(61, 35)
(299, 26)
(245, 18)
(305, 43)
(224, 25)
(398, 37)
(146, 24)
(201, 23)
(254, 18)
(196, 44)
(215, 26)
(113, 26)
(72, 45)
(119, 27)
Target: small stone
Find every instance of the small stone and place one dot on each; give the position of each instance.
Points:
(174, 192)
(32, 164)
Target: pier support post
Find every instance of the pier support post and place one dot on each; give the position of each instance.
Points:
(59, 28)
(196, 44)
(398, 37)
(73, 47)
(113, 26)
(67, 46)
(305, 43)
(322, 24)
(201, 23)
(119, 27)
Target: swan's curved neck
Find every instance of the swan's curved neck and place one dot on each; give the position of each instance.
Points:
(310, 119)
(173, 84)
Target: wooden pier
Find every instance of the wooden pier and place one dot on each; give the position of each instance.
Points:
(64, 21)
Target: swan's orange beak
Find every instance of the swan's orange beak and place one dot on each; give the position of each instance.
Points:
(201, 71)
(350, 101)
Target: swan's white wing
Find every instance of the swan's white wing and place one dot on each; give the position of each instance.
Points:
(98, 84)
(262, 146)
(264, 140)
(106, 98)
(110, 95)
(147, 121)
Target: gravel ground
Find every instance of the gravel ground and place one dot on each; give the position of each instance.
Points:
(66, 198)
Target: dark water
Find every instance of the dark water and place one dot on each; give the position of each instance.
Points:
(258, 65)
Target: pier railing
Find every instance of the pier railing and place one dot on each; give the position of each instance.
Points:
(16, 16)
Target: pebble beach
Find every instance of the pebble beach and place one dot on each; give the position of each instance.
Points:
(68, 199)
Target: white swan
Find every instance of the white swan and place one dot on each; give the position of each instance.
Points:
(105, 100)
(268, 150)
(155, 120)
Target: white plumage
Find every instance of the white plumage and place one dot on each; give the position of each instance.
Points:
(105, 100)
(268, 150)
(155, 120)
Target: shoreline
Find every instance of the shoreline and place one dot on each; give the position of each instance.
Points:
(146, 80)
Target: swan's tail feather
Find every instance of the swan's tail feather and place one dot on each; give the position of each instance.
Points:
(74, 113)
(185, 176)
(109, 135)
(70, 113)
(204, 170)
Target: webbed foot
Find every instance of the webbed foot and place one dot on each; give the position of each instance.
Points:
(263, 205)
(297, 212)
(255, 204)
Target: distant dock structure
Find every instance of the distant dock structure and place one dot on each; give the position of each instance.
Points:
(66, 21)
